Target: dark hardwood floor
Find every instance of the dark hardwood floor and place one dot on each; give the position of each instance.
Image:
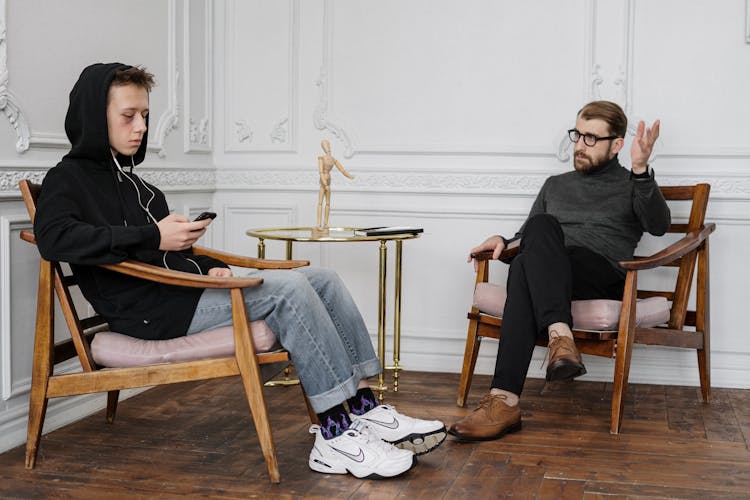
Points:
(198, 440)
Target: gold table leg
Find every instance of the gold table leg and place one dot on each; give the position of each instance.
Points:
(284, 381)
(381, 387)
(397, 319)
(261, 249)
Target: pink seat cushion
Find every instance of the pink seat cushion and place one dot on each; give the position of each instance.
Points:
(599, 314)
(116, 350)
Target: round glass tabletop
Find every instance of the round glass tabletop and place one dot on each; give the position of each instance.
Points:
(332, 234)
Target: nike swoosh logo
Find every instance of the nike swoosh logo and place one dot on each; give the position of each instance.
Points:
(360, 457)
(393, 424)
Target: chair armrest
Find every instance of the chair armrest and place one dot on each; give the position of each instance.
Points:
(161, 275)
(28, 235)
(179, 278)
(673, 252)
(509, 252)
(242, 261)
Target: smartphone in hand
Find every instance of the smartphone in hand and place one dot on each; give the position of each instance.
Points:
(205, 215)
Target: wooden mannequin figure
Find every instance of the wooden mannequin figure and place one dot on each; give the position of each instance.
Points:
(325, 165)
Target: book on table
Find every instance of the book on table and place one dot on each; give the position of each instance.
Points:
(387, 230)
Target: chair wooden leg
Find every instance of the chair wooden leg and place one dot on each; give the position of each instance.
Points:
(625, 338)
(112, 399)
(251, 379)
(470, 362)
(703, 322)
(43, 361)
(254, 391)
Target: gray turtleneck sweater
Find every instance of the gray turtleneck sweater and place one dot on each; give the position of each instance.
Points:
(606, 211)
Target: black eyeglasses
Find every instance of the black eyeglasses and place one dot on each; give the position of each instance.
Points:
(588, 139)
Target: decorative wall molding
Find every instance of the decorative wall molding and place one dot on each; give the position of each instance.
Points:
(199, 137)
(596, 64)
(279, 132)
(170, 119)
(243, 131)
(725, 186)
(242, 140)
(593, 79)
(177, 178)
(9, 178)
(435, 182)
(165, 179)
(8, 102)
(625, 69)
(8, 223)
(320, 115)
(432, 181)
(198, 134)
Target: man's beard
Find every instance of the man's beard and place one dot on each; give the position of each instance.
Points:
(587, 165)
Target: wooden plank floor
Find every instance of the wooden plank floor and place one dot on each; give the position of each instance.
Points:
(198, 440)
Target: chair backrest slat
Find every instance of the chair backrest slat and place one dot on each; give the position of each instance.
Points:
(62, 283)
(698, 194)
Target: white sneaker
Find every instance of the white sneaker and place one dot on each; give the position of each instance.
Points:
(360, 452)
(402, 431)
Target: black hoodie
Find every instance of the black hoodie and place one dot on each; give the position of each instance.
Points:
(88, 213)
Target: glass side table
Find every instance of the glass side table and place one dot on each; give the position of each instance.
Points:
(346, 235)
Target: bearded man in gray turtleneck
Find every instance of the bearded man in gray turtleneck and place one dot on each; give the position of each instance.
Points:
(581, 225)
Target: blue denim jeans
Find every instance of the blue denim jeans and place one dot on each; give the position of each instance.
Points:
(315, 318)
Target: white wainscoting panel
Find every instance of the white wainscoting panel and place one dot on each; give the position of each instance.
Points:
(696, 84)
(403, 78)
(197, 37)
(10, 225)
(261, 58)
(237, 218)
(64, 39)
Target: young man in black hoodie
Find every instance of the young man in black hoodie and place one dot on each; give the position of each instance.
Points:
(92, 211)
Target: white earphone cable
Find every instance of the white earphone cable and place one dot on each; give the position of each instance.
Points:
(146, 208)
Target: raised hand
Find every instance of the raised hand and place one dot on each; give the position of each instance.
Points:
(643, 145)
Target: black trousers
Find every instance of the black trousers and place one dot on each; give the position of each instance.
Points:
(543, 279)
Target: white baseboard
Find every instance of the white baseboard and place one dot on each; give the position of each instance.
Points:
(60, 412)
(649, 365)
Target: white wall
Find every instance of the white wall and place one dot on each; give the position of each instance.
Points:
(450, 115)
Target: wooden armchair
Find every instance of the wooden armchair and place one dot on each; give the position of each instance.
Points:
(683, 328)
(92, 378)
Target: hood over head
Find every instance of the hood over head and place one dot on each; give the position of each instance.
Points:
(86, 120)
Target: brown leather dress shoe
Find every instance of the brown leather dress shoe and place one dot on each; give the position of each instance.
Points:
(564, 360)
(491, 420)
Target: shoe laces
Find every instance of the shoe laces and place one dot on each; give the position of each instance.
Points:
(487, 401)
(553, 341)
(360, 430)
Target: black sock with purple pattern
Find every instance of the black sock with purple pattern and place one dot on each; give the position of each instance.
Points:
(363, 401)
(334, 421)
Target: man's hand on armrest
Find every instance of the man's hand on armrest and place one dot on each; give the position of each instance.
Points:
(507, 253)
(494, 244)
